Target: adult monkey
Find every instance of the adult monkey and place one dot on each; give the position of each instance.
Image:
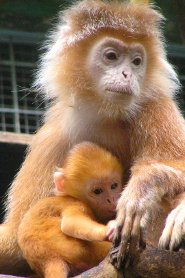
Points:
(111, 84)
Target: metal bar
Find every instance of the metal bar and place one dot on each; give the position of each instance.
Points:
(14, 88)
(22, 111)
(176, 50)
(18, 64)
(3, 122)
(20, 37)
(26, 123)
(26, 115)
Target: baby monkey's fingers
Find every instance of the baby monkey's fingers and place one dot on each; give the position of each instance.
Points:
(111, 228)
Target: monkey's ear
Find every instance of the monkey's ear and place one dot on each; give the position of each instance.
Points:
(59, 180)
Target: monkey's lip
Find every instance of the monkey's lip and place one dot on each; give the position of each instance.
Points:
(119, 90)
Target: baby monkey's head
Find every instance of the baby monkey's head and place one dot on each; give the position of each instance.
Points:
(92, 175)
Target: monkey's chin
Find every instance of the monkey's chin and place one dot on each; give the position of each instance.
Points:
(119, 97)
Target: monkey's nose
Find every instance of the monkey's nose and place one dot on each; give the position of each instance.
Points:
(124, 74)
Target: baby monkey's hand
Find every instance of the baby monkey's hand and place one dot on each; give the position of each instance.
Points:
(111, 227)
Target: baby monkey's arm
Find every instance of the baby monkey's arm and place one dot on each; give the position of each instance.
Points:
(78, 222)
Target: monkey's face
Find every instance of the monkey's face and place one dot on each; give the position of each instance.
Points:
(102, 197)
(117, 69)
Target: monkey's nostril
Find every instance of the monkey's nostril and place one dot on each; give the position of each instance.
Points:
(124, 74)
(108, 201)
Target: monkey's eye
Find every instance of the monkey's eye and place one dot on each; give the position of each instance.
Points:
(111, 55)
(137, 61)
(114, 185)
(98, 191)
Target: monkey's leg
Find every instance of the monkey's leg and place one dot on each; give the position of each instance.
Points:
(11, 253)
(56, 269)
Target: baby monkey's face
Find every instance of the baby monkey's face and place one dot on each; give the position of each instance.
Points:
(102, 196)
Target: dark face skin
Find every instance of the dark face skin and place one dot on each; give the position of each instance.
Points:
(102, 197)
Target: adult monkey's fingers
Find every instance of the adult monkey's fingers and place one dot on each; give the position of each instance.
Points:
(125, 238)
(135, 236)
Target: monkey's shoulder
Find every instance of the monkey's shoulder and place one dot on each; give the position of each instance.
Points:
(54, 206)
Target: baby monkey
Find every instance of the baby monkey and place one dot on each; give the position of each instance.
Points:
(68, 233)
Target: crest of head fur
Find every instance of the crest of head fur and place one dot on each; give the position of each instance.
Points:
(89, 17)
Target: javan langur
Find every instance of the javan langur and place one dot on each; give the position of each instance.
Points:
(66, 234)
(105, 68)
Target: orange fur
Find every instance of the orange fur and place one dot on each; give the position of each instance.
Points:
(59, 234)
(152, 129)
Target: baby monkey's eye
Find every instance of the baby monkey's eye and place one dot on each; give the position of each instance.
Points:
(114, 185)
(98, 191)
(137, 61)
(111, 55)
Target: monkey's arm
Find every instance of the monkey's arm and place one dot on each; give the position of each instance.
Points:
(150, 182)
(78, 222)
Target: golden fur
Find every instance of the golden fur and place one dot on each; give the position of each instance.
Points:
(152, 129)
(59, 234)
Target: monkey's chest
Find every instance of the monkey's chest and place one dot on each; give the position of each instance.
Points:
(115, 138)
(111, 135)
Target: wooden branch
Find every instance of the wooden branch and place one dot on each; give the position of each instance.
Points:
(155, 263)
(10, 276)
(15, 138)
(103, 270)
(152, 262)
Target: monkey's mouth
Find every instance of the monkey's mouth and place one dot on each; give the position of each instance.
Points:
(119, 90)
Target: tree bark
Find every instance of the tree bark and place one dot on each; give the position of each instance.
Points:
(152, 262)
(155, 263)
